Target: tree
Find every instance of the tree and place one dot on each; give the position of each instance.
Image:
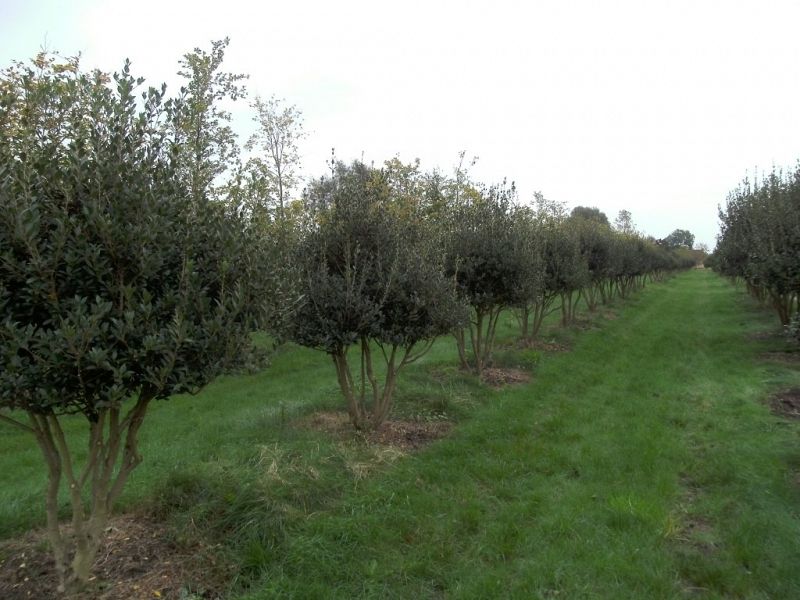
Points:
(533, 301)
(566, 267)
(624, 222)
(560, 265)
(370, 277)
(206, 143)
(487, 257)
(793, 328)
(117, 285)
(595, 240)
(590, 214)
(280, 128)
(680, 238)
(759, 240)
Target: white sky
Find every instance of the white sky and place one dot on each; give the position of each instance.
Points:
(656, 107)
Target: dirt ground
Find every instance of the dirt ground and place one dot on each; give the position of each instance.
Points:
(545, 346)
(788, 358)
(786, 403)
(499, 377)
(404, 435)
(137, 562)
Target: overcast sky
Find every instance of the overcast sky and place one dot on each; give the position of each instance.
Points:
(659, 108)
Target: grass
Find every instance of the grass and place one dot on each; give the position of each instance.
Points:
(642, 463)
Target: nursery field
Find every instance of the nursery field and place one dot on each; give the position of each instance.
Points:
(644, 452)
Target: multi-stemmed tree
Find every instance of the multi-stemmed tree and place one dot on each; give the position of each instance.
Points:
(120, 283)
(760, 240)
(595, 240)
(490, 261)
(371, 281)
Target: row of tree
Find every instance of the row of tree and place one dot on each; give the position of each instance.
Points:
(759, 240)
(387, 259)
(138, 253)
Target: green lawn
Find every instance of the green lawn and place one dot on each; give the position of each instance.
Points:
(641, 464)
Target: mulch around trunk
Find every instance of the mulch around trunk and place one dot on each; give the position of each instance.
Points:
(545, 346)
(137, 561)
(405, 435)
(501, 377)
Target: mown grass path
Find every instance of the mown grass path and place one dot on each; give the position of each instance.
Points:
(642, 464)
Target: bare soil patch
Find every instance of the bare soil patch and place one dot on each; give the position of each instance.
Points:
(786, 403)
(500, 377)
(696, 531)
(583, 323)
(405, 435)
(789, 358)
(138, 561)
(544, 346)
(698, 534)
(690, 490)
(770, 334)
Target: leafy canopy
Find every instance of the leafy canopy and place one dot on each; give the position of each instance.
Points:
(114, 278)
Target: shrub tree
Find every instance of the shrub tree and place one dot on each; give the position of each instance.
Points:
(117, 286)
(488, 256)
(760, 240)
(595, 247)
(370, 277)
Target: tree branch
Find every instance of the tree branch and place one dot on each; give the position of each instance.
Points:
(9, 420)
(408, 358)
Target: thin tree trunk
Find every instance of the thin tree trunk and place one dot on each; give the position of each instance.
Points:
(107, 479)
(53, 462)
(462, 347)
(476, 338)
(345, 380)
(524, 319)
(577, 301)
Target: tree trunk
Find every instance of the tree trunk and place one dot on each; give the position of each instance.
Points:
(524, 318)
(476, 336)
(107, 479)
(368, 401)
(591, 294)
(461, 344)
(782, 304)
(577, 301)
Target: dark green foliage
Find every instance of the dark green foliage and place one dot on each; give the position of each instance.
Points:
(119, 280)
(485, 253)
(369, 271)
(491, 257)
(759, 239)
(565, 260)
(596, 247)
(590, 214)
(680, 238)
(112, 279)
(366, 269)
